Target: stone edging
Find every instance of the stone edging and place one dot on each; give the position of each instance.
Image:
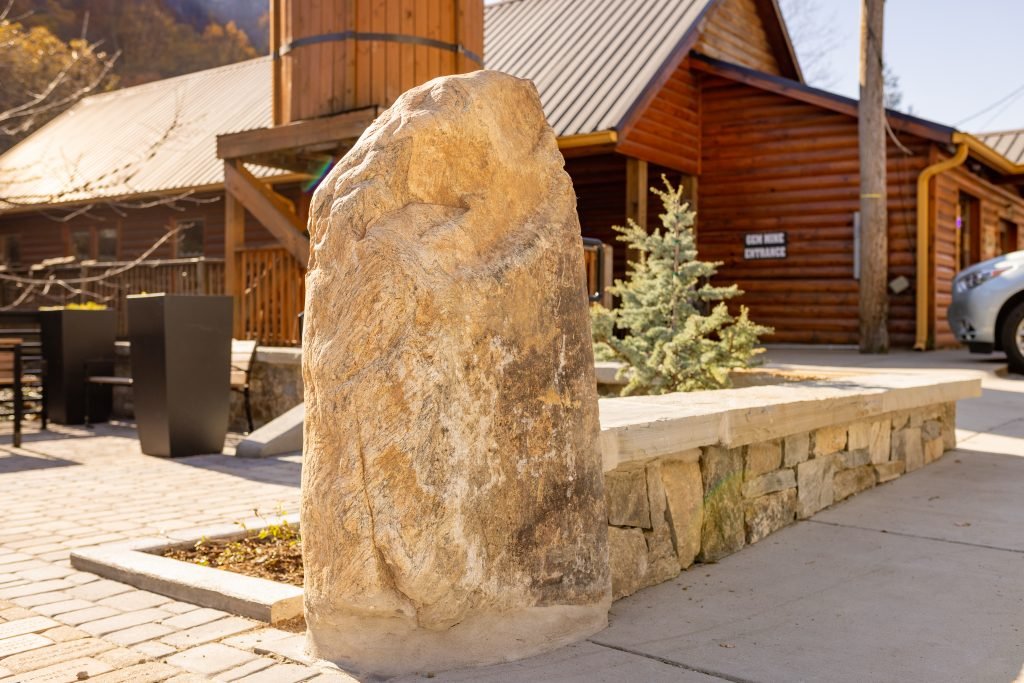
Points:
(136, 564)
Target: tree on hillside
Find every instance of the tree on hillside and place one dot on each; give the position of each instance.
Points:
(42, 76)
(157, 38)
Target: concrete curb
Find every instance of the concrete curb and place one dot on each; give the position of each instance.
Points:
(139, 564)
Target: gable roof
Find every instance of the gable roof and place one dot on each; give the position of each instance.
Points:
(152, 138)
(590, 59)
(924, 128)
(1008, 143)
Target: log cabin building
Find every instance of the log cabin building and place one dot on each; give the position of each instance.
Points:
(708, 93)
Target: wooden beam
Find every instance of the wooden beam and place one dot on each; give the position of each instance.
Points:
(331, 131)
(637, 191)
(234, 240)
(271, 209)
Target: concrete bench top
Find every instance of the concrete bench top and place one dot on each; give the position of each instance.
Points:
(645, 427)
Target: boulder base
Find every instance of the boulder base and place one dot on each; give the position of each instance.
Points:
(453, 507)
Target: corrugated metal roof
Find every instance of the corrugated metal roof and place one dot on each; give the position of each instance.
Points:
(590, 59)
(1009, 143)
(156, 137)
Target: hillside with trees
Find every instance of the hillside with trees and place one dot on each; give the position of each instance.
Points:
(155, 38)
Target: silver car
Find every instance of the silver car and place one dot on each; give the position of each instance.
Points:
(987, 312)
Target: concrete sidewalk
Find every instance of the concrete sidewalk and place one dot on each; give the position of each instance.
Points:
(921, 579)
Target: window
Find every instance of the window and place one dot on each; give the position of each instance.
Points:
(10, 250)
(968, 241)
(1007, 236)
(81, 244)
(106, 244)
(190, 241)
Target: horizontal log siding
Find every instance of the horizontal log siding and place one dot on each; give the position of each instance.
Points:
(995, 203)
(772, 163)
(600, 184)
(42, 238)
(667, 132)
(734, 33)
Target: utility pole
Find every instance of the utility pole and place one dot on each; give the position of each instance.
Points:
(874, 262)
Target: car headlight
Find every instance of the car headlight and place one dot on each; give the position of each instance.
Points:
(979, 277)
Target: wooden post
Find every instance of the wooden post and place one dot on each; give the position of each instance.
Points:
(637, 191)
(874, 263)
(234, 240)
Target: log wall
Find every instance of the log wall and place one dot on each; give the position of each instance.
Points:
(668, 131)
(733, 32)
(995, 203)
(771, 163)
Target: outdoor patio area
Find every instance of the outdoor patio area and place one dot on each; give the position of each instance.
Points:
(70, 488)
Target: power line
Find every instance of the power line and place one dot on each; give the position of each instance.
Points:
(992, 106)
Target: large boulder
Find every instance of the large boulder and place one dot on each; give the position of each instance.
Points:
(452, 498)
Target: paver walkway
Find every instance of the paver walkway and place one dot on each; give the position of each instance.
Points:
(71, 489)
(920, 579)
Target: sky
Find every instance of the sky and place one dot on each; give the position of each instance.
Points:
(953, 58)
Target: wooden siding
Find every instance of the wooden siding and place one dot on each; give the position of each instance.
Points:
(332, 76)
(995, 203)
(42, 238)
(771, 163)
(667, 132)
(735, 33)
(600, 184)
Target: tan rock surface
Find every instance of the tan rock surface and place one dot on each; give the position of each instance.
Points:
(684, 491)
(453, 507)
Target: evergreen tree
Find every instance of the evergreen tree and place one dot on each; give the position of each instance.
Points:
(678, 332)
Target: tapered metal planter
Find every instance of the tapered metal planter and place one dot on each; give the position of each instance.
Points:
(181, 363)
(71, 339)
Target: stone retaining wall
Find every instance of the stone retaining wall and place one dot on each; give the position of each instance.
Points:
(701, 504)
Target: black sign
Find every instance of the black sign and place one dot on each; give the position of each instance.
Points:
(758, 246)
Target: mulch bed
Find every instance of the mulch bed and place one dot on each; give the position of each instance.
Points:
(274, 553)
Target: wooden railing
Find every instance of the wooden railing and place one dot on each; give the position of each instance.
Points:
(271, 286)
(110, 283)
(273, 294)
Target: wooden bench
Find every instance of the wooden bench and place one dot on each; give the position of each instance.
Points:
(243, 354)
(14, 377)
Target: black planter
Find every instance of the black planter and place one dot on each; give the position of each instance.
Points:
(181, 363)
(70, 339)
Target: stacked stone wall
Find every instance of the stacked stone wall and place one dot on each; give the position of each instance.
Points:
(701, 505)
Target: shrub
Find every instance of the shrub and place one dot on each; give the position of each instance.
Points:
(677, 333)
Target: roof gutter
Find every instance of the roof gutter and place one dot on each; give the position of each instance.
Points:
(923, 238)
(598, 139)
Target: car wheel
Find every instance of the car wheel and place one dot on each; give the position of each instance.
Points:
(1013, 339)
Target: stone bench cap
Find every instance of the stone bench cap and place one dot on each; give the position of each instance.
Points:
(645, 427)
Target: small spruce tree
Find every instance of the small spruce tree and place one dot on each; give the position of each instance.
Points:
(678, 334)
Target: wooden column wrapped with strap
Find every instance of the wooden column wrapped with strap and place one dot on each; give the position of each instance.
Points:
(333, 56)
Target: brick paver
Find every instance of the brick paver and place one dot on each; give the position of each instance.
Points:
(73, 488)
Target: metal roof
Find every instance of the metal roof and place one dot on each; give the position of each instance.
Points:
(156, 137)
(1008, 143)
(590, 59)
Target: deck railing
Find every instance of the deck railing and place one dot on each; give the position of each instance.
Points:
(109, 283)
(271, 283)
(273, 294)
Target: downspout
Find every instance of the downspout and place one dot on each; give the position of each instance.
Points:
(923, 255)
